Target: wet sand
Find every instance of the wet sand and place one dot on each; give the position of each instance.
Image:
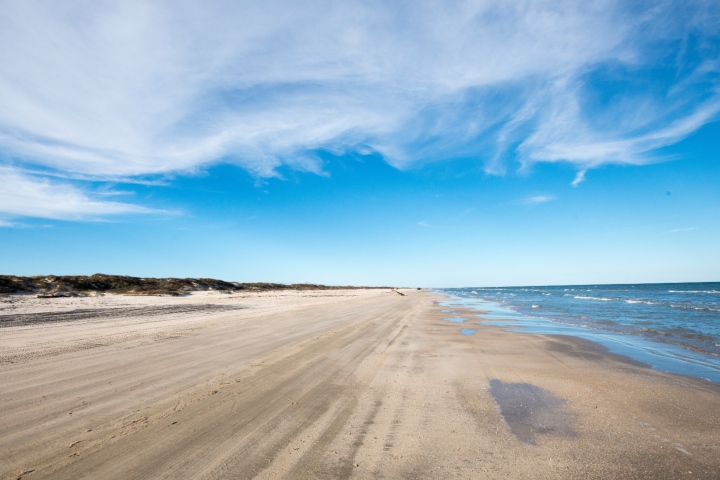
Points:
(341, 384)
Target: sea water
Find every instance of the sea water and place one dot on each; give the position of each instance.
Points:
(671, 326)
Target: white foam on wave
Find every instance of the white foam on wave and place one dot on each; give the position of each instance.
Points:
(599, 299)
(701, 309)
(693, 291)
(646, 302)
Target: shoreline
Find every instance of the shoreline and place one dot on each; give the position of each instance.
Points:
(657, 353)
(341, 384)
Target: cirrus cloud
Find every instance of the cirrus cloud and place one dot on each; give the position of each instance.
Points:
(24, 195)
(124, 90)
(538, 199)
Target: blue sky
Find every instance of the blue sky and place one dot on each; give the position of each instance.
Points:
(420, 144)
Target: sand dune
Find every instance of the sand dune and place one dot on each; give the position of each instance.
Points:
(328, 384)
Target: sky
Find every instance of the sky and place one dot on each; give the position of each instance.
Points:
(429, 144)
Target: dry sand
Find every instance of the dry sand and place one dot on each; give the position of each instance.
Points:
(340, 384)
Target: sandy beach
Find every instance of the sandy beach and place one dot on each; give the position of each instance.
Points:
(328, 384)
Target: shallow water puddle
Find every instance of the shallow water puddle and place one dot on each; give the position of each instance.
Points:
(467, 331)
(530, 410)
(455, 319)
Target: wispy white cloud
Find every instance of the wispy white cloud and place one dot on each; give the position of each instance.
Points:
(122, 90)
(30, 196)
(538, 199)
(424, 224)
(686, 229)
(579, 178)
(557, 140)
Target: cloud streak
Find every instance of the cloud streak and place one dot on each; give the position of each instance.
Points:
(424, 224)
(126, 90)
(31, 196)
(579, 178)
(538, 199)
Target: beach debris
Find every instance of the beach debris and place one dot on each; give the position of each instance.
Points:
(24, 472)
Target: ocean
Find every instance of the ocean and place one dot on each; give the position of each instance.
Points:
(673, 327)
